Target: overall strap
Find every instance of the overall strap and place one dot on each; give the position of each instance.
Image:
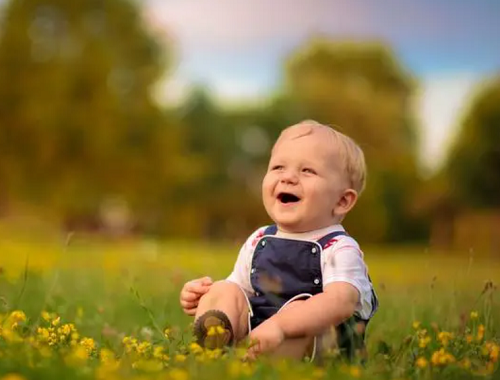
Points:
(325, 239)
(271, 230)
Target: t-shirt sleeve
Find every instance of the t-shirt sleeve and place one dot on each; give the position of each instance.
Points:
(241, 270)
(343, 261)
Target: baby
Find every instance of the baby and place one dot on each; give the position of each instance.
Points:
(299, 286)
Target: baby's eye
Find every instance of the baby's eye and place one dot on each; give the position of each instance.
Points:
(309, 170)
(277, 167)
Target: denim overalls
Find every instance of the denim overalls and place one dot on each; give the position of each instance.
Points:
(286, 268)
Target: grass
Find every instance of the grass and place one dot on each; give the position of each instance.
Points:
(123, 294)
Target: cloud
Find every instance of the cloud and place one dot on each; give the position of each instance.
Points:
(233, 24)
(229, 24)
(442, 104)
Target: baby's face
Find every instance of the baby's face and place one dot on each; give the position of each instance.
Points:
(304, 183)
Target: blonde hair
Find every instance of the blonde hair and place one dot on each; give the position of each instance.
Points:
(350, 152)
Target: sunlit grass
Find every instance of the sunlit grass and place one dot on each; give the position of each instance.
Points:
(121, 296)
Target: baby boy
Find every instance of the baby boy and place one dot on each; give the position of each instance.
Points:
(299, 285)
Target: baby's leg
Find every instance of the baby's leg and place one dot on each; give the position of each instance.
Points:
(295, 348)
(347, 339)
(222, 315)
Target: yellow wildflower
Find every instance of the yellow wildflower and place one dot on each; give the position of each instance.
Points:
(129, 343)
(167, 332)
(148, 365)
(77, 357)
(195, 348)
(214, 354)
(421, 333)
(445, 337)
(178, 374)
(441, 358)
(494, 353)
(12, 376)
(88, 344)
(318, 373)
(240, 352)
(106, 355)
(143, 347)
(423, 342)
(43, 334)
(474, 314)
(66, 329)
(491, 350)
(46, 316)
(211, 331)
(180, 358)
(421, 362)
(234, 368)
(158, 352)
(469, 338)
(416, 325)
(355, 371)
(10, 335)
(52, 338)
(56, 321)
(17, 316)
(480, 332)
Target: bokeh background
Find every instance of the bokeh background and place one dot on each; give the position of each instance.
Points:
(155, 118)
(133, 139)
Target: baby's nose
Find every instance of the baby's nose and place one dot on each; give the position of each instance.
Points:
(289, 176)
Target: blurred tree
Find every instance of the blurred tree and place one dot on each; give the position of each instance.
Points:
(77, 120)
(224, 200)
(473, 166)
(362, 90)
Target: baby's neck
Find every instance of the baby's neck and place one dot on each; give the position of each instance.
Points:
(309, 235)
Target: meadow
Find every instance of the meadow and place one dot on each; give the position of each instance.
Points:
(74, 306)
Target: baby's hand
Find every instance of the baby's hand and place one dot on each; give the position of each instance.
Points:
(267, 337)
(192, 292)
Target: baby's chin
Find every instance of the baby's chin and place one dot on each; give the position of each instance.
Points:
(297, 228)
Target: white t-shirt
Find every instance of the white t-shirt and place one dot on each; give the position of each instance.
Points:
(341, 260)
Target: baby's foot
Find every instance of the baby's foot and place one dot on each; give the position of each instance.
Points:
(213, 330)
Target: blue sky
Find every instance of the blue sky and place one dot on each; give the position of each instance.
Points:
(237, 48)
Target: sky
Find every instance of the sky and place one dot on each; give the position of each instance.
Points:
(237, 48)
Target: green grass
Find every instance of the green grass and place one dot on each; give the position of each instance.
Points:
(131, 288)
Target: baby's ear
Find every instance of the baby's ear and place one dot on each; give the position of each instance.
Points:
(346, 202)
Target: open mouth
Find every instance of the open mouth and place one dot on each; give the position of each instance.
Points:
(288, 198)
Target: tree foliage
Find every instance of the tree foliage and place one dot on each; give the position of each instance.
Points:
(77, 120)
(78, 125)
(473, 166)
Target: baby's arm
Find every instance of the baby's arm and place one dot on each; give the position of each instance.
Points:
(315, 315)
(305, 318)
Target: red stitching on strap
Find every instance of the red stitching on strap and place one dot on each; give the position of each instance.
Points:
(257, 238)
